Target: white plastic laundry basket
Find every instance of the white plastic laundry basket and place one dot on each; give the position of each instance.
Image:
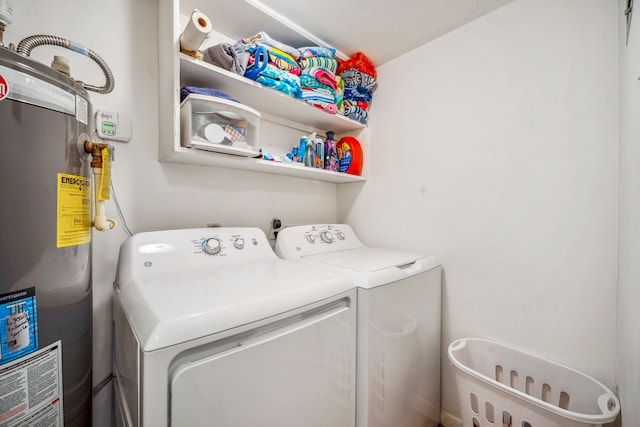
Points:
(500, 386)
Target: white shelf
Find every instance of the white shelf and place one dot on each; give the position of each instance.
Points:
(286, 116)
(199, 157)
(239, 19)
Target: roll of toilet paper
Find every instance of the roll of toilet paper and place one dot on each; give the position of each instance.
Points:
(196, 32)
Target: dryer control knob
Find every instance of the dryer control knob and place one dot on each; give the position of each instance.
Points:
(340, 235)
(238, 243)
(327, 236)
(211, 246)
(311, 238)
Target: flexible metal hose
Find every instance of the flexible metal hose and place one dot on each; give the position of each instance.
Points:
(27, 44)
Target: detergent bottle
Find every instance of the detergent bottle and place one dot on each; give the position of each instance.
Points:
(349, 155)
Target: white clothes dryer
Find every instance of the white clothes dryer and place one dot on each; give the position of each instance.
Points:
(211, 328)
(398, 344)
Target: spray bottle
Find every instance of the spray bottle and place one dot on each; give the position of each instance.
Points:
(330, 153)
(308, 157)
(302, 149)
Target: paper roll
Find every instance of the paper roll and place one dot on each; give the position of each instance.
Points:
(197, 31)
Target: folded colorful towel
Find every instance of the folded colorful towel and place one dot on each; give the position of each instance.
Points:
(273, 77)
(330, 64)
(322, 74)
(313, 83)
(355, 77)
(339, 94)
(311, 51)
(264, 39)
(357, 93)
(282, 59)
(356, 113)
(360, 104)
(317, 95)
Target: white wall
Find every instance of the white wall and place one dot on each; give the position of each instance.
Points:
(495, 148)
(153, 195)
(629, 246)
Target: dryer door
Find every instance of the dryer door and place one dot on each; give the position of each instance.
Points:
(293, 373)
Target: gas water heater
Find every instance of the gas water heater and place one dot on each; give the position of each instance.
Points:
(47, 158)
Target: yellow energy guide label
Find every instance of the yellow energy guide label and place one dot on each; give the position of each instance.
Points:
(74, 210)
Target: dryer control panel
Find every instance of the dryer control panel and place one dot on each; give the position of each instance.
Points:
(304, 240)
(190, 250)
(222, 245)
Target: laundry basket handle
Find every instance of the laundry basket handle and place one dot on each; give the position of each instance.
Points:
(608, 403)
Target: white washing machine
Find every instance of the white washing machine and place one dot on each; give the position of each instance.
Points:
(211, 328)
(398, 344)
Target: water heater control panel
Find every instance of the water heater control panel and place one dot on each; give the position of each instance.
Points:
(113, 125)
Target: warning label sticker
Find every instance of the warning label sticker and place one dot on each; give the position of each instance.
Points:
(31, 389)
(74, 210)
(105, 176)
(4, 88)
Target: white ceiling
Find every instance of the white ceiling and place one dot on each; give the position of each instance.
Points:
(382, 29)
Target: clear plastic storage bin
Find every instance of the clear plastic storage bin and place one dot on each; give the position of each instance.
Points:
(216, 124)
(500, 386)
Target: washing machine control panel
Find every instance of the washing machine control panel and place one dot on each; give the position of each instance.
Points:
(323, 234)
(306, 240)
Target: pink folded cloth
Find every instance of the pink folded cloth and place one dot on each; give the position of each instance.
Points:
(323, 76)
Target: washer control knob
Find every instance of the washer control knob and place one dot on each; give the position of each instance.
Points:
(311, 238)
(238, 243)
(211, 246)
(327, 236)
(340, 235)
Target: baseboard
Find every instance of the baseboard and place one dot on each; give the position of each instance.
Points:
(449, 420)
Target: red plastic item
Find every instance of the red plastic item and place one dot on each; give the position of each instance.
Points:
(349, 155)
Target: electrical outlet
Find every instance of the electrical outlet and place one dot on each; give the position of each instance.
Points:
(276, 225)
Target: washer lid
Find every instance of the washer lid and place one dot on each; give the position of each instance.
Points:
(365, 260)
(168, 310)
(370, 267)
